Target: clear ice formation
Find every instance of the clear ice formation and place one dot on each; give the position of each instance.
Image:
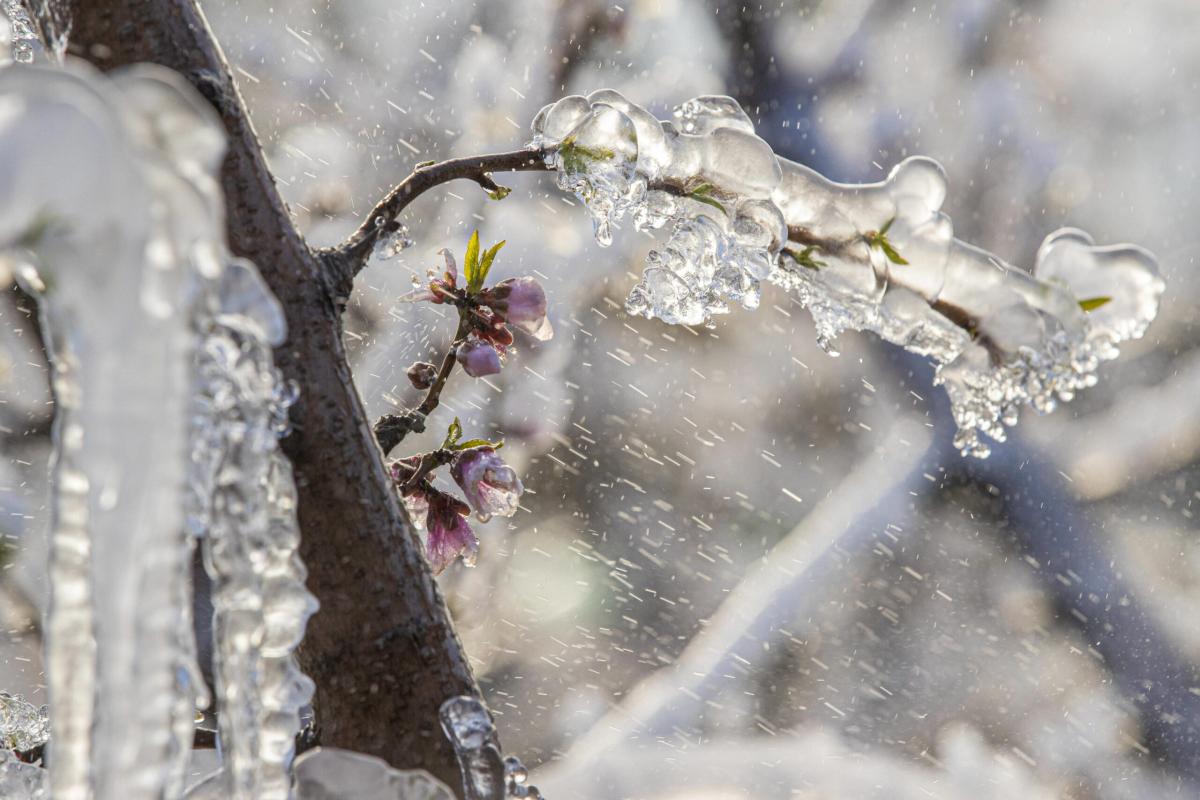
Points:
(19, 39)
(23, 726)
(877, 257)
(21, 781)
(168, 415)
(326, 773)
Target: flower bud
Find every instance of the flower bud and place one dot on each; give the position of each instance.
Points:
(522, 303)
(422, 374)
(490, 485)
(478, 358)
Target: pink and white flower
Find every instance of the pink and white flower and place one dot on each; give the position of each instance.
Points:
(448, 533)
(522, 304)
(443, 518)
(490, 485)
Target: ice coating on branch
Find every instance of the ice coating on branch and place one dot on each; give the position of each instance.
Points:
(595, 157)
(878, 257)
(393, 243)
(23, 726)
(1002, 338)
(718, 176)
(168, 411)
(468, 725)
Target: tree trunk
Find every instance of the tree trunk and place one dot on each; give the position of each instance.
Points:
(382, 650)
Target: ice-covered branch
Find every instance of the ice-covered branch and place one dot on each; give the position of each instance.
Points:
(383, 232)
(876, 257)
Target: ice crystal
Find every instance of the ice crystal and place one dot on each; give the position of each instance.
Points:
(468, 725)
(23, 726)
(877, 257)
(392, 243)
(19, 37)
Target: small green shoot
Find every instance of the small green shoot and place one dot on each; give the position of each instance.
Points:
(1092, 303)
(879, 239)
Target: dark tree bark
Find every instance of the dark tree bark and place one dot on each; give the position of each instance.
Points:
(382, 650)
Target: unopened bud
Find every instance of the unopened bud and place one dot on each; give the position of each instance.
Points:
(422, 375)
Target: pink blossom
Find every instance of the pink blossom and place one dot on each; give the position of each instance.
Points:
(449, 534)
(490, 485)
(478, 358)
(444, 520)
(439, 289)
(522, 304)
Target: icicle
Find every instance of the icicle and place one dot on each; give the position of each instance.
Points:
(119, 364)
(878, 257)
(169, 411)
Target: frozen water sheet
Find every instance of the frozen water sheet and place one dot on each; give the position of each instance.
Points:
(878, 257)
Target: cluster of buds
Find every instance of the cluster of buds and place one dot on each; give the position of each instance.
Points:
(491, 487)
(488, 315)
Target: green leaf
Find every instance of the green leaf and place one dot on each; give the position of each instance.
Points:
(577, 157)
(471, 262)
(453, 434)
(704, 193)
(500, 192)
(1092, 303)
(423, 164)
(471, 444)
(891, 252)
(805, 258)
(485, 265)
(879, 239)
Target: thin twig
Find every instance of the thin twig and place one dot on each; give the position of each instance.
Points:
(351, 255)
(391, 429)
(428, 463)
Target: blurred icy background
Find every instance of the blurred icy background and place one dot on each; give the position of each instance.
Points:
(1025, 627)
